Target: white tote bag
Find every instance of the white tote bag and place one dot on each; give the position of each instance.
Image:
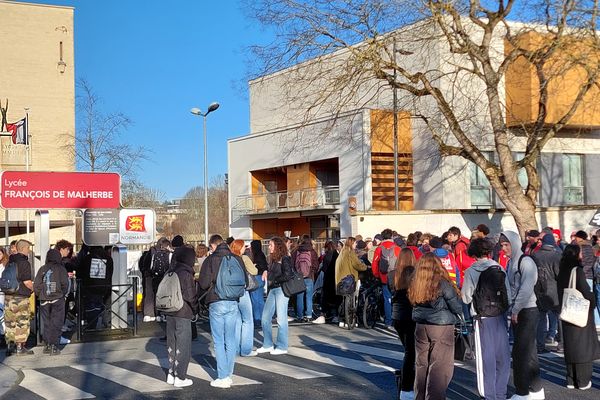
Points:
(574, 306)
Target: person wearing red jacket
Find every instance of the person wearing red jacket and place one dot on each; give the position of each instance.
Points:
(388, 243)
(460, 244)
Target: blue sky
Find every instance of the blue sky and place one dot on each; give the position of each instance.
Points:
(154, 60)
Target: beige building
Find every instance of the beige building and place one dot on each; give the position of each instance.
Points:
(37, 78)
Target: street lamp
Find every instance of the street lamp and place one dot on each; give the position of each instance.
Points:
(196, 111)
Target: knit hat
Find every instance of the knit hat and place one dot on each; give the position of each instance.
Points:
(378, 237)
(398, 241)
(436, 242)
(361, 244)
(177, 241)
(558, 233)
(581, 235)
(532, 233)
(548, 239)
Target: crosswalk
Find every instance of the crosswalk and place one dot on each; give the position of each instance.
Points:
(85, 381)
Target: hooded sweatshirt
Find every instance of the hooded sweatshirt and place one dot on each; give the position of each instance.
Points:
(59, 277)
(471, 279)
(522, 279)
(184, 268)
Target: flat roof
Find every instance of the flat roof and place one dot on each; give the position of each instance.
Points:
(37, 4)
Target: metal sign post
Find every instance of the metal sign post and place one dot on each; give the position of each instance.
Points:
(119, 290)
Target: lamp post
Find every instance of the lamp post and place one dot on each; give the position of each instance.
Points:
(196, 111)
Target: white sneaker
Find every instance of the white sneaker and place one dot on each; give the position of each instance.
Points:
(253, 353)
(586, 387)
(320, 320)
(170, 379)
(63, 340)
(570, 387)
(342, 325)
(278, 352)
(182, 382)
(539, 395)
(519, 397)
(224, 383)
(149, 319)
(290, 319)
(262, 350)
(407, 395)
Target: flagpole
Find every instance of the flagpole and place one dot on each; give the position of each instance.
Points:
(27, 159)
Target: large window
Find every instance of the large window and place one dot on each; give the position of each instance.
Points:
(573, 192)
(481, 190)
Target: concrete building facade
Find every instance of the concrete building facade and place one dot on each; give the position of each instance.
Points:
(302, 169)
(37, 78)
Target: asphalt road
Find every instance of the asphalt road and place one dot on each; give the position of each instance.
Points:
(325, 362)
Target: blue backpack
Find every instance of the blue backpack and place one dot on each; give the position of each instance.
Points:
(8, 280)
(231, 279)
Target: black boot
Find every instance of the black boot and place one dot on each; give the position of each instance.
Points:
(47, 349)
(22, 350)
(10, 349)
(54, 350)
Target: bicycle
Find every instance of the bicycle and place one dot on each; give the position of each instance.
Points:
(349, 307)
(372, 304)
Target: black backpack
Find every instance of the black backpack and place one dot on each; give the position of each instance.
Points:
(544, 300)
(160, 263)
(491, 298)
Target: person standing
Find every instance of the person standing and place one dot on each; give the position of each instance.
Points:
(522, 276)
(348, 263)
(280, 270)
(387, 246)
(329, 299)
(460, 245)
(245, 324)
(486, 289)
(3, 263)
(179, 329)
(223, 313)
(306, 262)
(581, 345)
(16, 311)
(153, 265)
(51, 286)
(436, 305)
(258, 296)
(403, 322)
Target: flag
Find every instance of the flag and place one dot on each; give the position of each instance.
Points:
(19, 131)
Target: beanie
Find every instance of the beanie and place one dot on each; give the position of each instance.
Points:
(548, 239)
(177, 241)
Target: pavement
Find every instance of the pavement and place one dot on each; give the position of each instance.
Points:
(325, 362)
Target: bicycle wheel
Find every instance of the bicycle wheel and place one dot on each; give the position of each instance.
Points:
(316, 299)
(370, 314)
(349, 312)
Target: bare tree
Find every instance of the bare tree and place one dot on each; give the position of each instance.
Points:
(99, 144)
(135, 194)
(449, 61)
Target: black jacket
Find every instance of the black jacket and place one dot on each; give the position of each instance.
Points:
(258, 257)
(24, 273)
(210, 269)
(548, 258)
(59, 273)
(280, 272)
(184, 268)
(441, 311)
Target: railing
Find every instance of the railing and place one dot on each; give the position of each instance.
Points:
(304, 199)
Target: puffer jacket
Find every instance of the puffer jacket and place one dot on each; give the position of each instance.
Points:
(442, 311)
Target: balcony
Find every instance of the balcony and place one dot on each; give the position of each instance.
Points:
(321, 198)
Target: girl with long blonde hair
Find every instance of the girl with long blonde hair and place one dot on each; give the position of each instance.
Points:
(436, 308)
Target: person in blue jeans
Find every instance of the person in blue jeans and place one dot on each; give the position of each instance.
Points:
(223, 314)
(244, 327)
(305, 261)
(257, 296)
(279, 271)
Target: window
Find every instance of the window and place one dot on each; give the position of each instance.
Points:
(481, 190)
(573, 179)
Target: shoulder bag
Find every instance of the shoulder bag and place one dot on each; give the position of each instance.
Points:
(575, 307)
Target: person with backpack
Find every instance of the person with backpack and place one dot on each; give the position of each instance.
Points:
(460, 245)
(280, 270)
(547, 260)
(522, 276)
(436, 308)
(51, 286)
(16, 301)
(245, 324)
(224, 278)
(487, 290)
(305, 261)
(154, 263)
(384, 260)
(402, 317)
(179, 331)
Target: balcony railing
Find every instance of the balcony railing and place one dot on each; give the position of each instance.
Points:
(296, 200)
